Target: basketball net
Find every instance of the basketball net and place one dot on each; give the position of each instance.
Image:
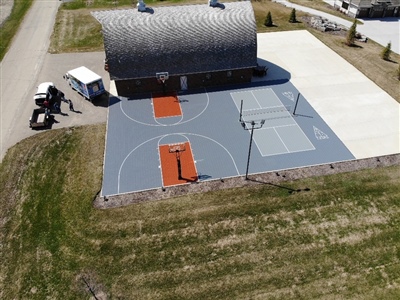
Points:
(177, 149)
(162, 79)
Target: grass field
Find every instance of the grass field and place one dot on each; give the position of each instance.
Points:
(323, 6)
(339, 240)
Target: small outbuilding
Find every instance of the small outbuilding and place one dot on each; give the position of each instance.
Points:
(197, 45)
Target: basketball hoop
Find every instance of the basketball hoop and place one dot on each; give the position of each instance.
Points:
(177, 148)
(162, 79)
(162, 76)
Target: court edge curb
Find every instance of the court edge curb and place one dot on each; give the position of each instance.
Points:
(113, 201)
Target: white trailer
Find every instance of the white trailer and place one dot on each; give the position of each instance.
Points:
(86, 82)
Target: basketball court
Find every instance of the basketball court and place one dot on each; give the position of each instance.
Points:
(206, 136)
(310, 111)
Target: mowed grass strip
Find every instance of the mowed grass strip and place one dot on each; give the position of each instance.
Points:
(76, 31)
(339, 240)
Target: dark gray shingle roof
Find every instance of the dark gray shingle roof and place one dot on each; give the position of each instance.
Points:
(179, 39)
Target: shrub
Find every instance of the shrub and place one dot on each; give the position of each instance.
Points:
(268, 20)
(385, 54)
(292, 18)
(351, 35)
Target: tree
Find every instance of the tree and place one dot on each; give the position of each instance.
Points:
(385, 54)
(268, 20)
(351, 35)
(292, 18)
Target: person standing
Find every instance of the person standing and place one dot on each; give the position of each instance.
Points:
(71, 105)
(57, 108)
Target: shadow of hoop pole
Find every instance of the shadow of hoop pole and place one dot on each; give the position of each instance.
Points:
(290, 190)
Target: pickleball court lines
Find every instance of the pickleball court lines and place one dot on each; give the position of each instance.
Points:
(279, 133)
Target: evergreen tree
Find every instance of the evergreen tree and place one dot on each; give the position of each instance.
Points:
(351, 35)
(268, 20)
(387, 51)
(292, 18)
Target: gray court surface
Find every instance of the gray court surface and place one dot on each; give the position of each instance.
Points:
(219, 142)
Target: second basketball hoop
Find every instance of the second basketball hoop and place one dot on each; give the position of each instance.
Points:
(176, 148)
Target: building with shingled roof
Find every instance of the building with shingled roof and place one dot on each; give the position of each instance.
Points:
(198, 45)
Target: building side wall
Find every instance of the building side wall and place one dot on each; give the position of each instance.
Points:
(132, 86)
(376, 11)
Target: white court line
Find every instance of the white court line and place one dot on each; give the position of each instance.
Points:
(154, 112)
(160, 124)
(279, 126)
(301, 130)
(165, 135)
(126, 157)
(287, 150)
(159, 156)
(219, 144)
(286, 115)
(256, 99)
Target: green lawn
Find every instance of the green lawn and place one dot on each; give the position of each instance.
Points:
(339, 240)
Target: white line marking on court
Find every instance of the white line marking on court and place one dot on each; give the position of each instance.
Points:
(256, 99)
(154, 113)
(126, 157)
(289, 95)
(158, 150)
(313, 148)
(286, 115)
(219, 144)
(319, 134)
(255, 142)
(165, 135)
(281, 140)
(176, 123)
(160, 124)
(279, 126)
